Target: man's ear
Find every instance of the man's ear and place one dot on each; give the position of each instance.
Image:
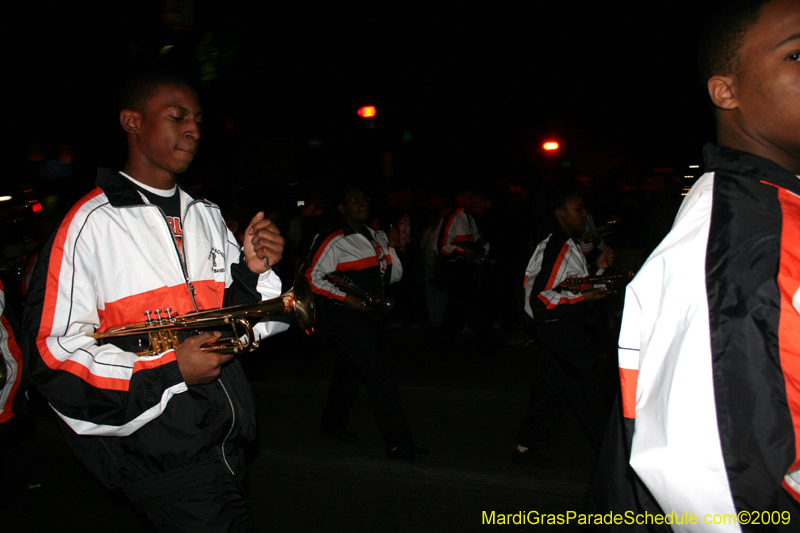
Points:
(130, 121)
(341, 209)
(721, 91)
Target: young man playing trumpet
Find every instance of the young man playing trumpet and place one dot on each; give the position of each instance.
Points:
(355, 330)
(169, 429)
(568, 371)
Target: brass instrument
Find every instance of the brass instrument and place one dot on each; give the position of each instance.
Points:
(471, 252)
(610, 284)
(601, 231)
(371, 301)
(296, 303)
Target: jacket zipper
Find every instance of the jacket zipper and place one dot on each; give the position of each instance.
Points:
(225, 390)
(233, 423)
(192, 292)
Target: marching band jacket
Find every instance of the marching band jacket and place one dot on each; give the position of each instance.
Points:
(709, 351)
(12, 361)
(555, 259)
(455, 227)
(345, 251)
(133, 419)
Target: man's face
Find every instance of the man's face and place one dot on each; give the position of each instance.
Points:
(355, 206)
(767, 83)
(169, 130)
(573, 216)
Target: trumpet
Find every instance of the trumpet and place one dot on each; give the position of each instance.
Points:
(371, 301)
(296, 303)
(610, 284)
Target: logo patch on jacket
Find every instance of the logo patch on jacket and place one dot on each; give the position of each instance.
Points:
(217, 258)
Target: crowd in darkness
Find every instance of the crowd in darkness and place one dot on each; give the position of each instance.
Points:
(511, 217)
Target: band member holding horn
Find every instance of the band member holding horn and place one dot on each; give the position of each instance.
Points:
(169, 429)
(461, 257)
(355, 328)
(10, 372)
(569, 370)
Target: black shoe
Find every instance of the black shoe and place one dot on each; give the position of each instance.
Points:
(340, 434)
(411, 453)
(532, 457)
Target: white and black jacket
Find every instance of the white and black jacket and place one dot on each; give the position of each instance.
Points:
(709, 353)
(346, 251)
(555, 259)
(132, 418)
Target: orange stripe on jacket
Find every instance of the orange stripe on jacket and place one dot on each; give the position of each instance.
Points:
(628, 379)
(789, 325)
(131, 309)
(359, 264)
(550, 305)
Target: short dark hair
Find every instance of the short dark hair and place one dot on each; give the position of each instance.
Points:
(561, 195)
(140, 88)
(723, 38)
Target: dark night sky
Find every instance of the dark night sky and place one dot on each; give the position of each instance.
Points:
(478, 89)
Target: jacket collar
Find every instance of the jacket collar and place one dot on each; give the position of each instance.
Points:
(728, 160)
(118, 189)
(347, 230)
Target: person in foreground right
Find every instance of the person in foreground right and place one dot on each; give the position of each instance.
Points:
(709, 349)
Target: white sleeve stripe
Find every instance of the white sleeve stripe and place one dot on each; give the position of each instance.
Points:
(628, 358)
(83, 427)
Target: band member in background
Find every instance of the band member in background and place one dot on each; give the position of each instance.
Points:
(709, 351)
(168, 428)
(460, 251)
(570, 371)
(368, 258)
(10, 375)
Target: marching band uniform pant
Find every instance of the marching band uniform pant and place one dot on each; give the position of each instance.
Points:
(361, 358)
(570, 373)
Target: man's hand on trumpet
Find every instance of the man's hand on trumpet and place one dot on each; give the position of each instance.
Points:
(199, 365)
(263, 244)
(354, 303)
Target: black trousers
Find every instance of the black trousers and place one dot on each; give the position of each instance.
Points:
(361, 358)
(569, 374)
(218, 507)
(466, 301)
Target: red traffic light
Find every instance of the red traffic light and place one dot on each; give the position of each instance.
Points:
(367, 111)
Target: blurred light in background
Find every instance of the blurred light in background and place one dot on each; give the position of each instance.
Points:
(549, 146)
(367, 111)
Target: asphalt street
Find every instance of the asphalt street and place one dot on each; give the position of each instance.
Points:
(463, 405)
